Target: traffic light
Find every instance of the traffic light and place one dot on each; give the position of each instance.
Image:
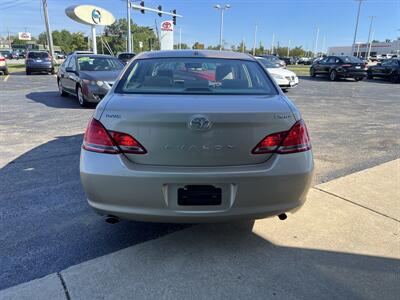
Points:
(142, 5)
(174, 17)
(159, 9)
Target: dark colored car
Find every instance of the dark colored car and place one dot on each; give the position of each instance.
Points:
(88, 76)
(339, 67)
(275, 60)
(288, 60)
(39, 61)
(6, 53)
(389, 69)
(125, 57)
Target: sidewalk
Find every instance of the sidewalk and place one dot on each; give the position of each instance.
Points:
(343, 244)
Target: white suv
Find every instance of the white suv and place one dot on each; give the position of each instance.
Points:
(3, 65)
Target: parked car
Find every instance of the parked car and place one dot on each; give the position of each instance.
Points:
(275, 60)
(3, 65)
(169, 145)
(389, 69)
(6, 53)
(59, 55)
(339, 67)
(39, 61)
(284, 78)
(125, 57)
(88, 76)
(288, 60)
(22, 54)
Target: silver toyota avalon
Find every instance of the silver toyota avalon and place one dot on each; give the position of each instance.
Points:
(195, 136)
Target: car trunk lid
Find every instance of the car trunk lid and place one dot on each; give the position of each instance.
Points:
(197, 130)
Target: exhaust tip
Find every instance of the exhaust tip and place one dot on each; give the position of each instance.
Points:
(282, 217)
(111, 219)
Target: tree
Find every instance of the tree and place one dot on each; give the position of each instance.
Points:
(297, 51)
(183, 46)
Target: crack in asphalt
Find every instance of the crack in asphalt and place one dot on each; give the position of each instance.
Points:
(64, 285)
(355, 203)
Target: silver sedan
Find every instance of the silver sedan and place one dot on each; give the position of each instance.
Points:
(195, 136)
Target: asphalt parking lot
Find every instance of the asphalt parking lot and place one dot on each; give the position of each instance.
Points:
(45, 222)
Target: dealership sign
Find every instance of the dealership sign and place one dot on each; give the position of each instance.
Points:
(90, 15)
(24, 36)
(167, 35)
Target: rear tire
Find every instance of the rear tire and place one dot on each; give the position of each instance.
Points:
(358, 78)
(333, 75)
(5, 72)
(60, 90)
(28, 72)
(312, 72)
(52, 72)
(394, 78)
(81, 98)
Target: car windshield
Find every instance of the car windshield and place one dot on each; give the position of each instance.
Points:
(350, 59)
(272, 58)
(195, 76)
(266, 63)
(93, 63)
(38, 55)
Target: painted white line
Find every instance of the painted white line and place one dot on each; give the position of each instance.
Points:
(6, 78)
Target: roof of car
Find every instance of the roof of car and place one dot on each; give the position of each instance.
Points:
(194, 53)
(94, 55)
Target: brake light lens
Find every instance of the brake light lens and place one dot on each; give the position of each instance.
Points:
(98, 139)
(292, 141)
(2, 59)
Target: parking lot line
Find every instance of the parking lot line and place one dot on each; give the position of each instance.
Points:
(6, 78)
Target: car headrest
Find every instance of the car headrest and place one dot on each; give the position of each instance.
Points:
(221, 72)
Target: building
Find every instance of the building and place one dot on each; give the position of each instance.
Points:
(380, 48)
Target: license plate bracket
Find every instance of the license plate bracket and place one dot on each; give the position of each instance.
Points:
(199, 195)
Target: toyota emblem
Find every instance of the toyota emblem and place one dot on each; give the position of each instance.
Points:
(199, 123)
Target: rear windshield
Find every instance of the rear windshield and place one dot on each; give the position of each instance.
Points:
(266, 63)
(351, 59)
(126, 56)
(38, 55)
(195, 75)
(93, 63)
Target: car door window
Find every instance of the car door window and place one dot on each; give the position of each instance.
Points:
(387, 63)
(324, 61)
(332, 60)
(71, 64)
(65, 63)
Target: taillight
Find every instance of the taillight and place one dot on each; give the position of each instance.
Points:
(292, 141)
(2, 59)
(98, 139)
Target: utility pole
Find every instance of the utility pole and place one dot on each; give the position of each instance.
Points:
(222, 8)
(316, 43)
(128, 17)
(180, 38)
(369, 37)
(48, 31)
(323, 46)
(243, 44)
(255, 39)
(288, 49)
(370, 44)
(272, 43)
(9, 38)
(355, 31)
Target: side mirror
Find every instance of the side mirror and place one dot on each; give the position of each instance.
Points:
(69, 70)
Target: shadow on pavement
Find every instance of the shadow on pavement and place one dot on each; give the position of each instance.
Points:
(53, 99)
(217, 261)
(46, 224)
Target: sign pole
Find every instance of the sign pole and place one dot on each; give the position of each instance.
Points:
(94, 42)
(48, 31)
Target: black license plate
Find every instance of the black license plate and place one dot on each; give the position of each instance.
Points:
(199, 195)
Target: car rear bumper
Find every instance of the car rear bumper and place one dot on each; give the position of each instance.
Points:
(353, 74)
(39, 67)
(115, 186)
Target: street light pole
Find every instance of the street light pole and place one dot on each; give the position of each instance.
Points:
(369, 36)
(128, 16)
(316, 43)
(221, 28)
(355, 31)
(255, 39)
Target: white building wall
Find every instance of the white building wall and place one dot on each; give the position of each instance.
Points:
(376, 49)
